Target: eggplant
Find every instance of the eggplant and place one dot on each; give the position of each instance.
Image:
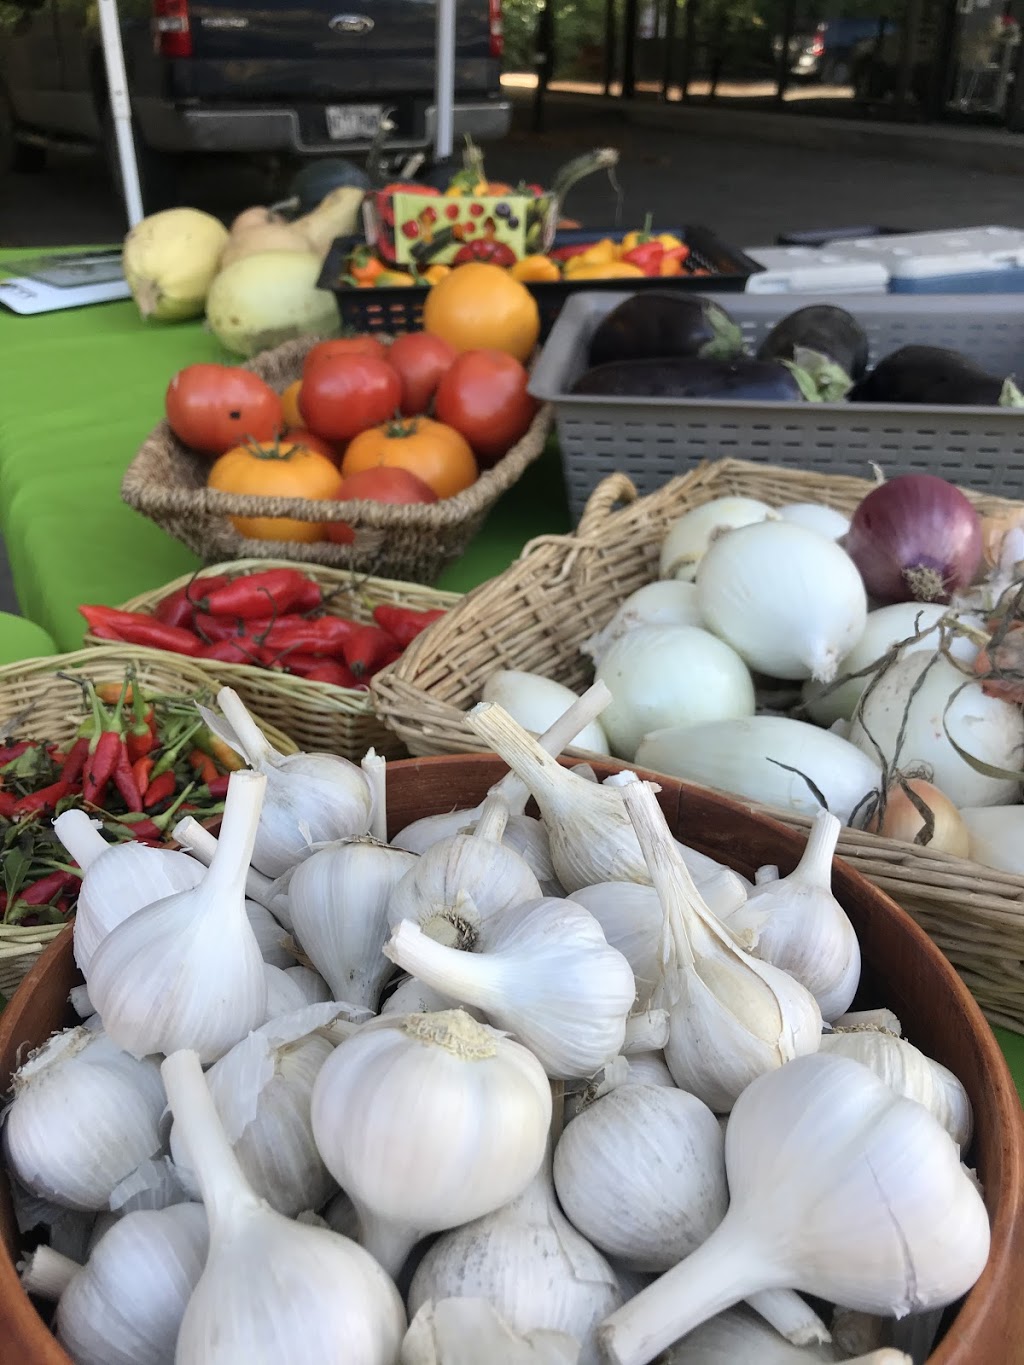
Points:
(930, 374)
(756, 381)
(821, 327)
(647, 326)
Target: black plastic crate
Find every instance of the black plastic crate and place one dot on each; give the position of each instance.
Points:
(401, 309)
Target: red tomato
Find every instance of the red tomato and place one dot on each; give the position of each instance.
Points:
(215, 407)
(340, 398)
(299, 436)
(345, 346)
(484, 396)
(421, 360)
(381, 484)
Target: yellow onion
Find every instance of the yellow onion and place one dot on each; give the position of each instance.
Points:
(903, 821)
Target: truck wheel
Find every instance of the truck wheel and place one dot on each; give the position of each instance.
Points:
(158, 171)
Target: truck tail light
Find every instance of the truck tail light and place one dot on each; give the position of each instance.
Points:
(171, 28)
(496, 29)
(818, 45)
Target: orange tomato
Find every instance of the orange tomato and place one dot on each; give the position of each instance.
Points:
(480, 306)
(433, 452)
(290, 405)
(276, 469)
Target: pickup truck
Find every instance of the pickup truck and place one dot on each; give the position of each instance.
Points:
(294, 77)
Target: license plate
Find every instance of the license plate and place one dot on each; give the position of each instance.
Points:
(353, 122)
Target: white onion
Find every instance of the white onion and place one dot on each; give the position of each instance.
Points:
(690, 536)
(733, 755)
(984, 727)
(885, 627)
(661, 676)
(997, 836)
(790, 602)
(665, 602)
(816, 517)
(268, 298)
(537, 702)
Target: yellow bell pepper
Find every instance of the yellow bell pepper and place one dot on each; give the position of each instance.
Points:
(603, 252)
(390, 279)
(535, 268)
(668, 241)
(611, 270)
(434, 274)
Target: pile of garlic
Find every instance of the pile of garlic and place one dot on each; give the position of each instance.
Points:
(617, 1110)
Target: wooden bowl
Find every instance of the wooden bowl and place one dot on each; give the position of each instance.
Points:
(902, 969)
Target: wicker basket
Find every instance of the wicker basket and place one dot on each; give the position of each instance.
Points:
(563, 588)
(318, 716)
(167, 483)
(56, 712)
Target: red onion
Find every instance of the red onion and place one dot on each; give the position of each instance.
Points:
(915, 538)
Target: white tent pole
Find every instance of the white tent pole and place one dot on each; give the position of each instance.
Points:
(120, 105)
(444, 80)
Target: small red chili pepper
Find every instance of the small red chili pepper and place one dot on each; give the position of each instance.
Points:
(179, 606)
(203, 765)
(394, 653)
(11, 752)
(74, 762)
(330, 671)
(45, 799)
(402, 623)
(218, 787)
(160, 789)
(100, 765)
(7, 803)
(47, 888)
(326, 636)
(234, 652)
(365, 648)
(141, 769)
(259, 594)
(212, 629)
(124, 780)
(141, 736)
(136, 628)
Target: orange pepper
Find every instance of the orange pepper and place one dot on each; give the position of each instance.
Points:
(364, 267)
(533, 268)
(434, 274)
(110, 692)
(142, 768)
(204, 765)
(670, 265)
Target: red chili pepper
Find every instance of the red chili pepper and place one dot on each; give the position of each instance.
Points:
(298, 663)
(234, 652)
(11, 752)
(160, 789)
(218, 787)
(326, 636)
(47, 888)
(124, 780)
(74, 763)
(259, 594)
(203, 765)
(365, 649)
(178, 608)
(566, 253)
(647, 257)
(394, 653)
(7, 803)
(141, 736)
(330, 671)
(211, 629)
(100, 765)
(141, 769)
(402, 623)
(45, 799)
(136, 628)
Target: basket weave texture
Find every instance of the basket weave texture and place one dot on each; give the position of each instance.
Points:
(167, 483)
(318, 716)
(564, 588)
(57, 710)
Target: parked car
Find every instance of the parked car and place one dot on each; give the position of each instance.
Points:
(305, 77)
(827, 54)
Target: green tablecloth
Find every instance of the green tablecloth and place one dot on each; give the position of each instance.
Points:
(79, 392)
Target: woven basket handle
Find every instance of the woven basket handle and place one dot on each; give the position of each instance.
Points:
(617, 488)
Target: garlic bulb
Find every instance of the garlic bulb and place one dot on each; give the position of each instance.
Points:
(548, 976)
(797, 924)
(84, 1115)
(156, 1184)
(665, 602)
(739, 1336)
(311, 798)
(338, 900)
(789, 601)
(413, 997)
(591, 837)
(272, 937)
(468, 1331)
(883, 1019)
(821, 1154)
(118, 879)
(272, 1290)
(462, 887)
(641, 1174)
(536, 702)
(911, 1074)
(631, 919)
(731, 1016)
(529, 1263)
(262, 1089)
(467, 1109)
(284, 994)
(691, 536)
(187, 971)
(648, 1068)
(124, 1307)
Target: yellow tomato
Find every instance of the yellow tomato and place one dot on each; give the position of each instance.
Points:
(534, 268)
(480, 307)
(276, 469)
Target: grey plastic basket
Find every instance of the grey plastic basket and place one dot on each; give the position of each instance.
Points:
(654, 439)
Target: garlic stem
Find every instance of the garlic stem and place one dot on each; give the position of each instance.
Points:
(80, 837)
(221, 1182)
(46, 1272)
(493, 818)
(558, 736)
(815, 865)
(791, 1316)
(646, 1032)
(766, 874)
(197, 840)
(470, 978)
(374, 769)
(237, 833)
(251, 739)
(714, 1277)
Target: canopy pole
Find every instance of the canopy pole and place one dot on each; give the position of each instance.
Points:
(120, 106)
(444, 81)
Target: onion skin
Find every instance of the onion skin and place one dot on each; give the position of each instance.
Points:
(902, 820)
(915, 538)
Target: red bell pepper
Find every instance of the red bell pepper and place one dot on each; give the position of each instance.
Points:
(647, 256)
